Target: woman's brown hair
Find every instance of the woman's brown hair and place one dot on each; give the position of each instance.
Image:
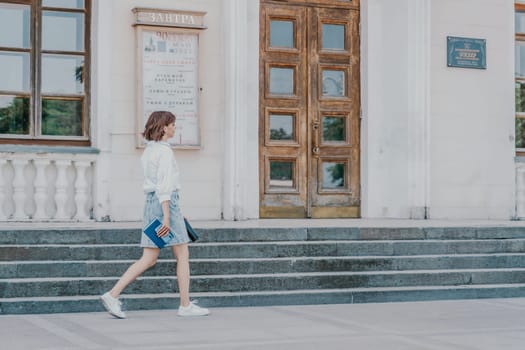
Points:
(154, 129)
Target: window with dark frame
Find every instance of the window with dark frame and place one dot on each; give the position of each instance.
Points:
(44, 72)
(520, 76)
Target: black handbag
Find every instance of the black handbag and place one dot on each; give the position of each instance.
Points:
(191, 232)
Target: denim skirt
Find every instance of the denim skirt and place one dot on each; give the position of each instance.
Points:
(153, 209)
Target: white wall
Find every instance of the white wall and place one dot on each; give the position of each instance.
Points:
(385, 108)
(438, 142)
(472, 113)
(119, 175)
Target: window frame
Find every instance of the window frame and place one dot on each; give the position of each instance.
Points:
(519, 37)
(36, 54)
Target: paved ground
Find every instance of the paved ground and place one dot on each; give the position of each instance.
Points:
(491, 324)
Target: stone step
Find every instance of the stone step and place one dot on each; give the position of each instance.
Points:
(265, 249)
(90, 303)
(166, 267)
(64, 270)
(39, 287)
(132, 235)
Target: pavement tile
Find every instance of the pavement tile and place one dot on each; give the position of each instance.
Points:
(438, 325)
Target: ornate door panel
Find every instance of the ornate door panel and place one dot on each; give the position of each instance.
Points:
(309, 111)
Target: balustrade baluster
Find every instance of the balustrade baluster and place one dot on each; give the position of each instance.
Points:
(81, 187)
(61, 189)
(3, 214)
(19, 194)
(40, 189)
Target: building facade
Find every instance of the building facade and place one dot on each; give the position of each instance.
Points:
(298, 108)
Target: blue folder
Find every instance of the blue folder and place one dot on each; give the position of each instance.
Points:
(151, 232)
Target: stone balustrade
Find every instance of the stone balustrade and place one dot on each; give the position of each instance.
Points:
(46, 186)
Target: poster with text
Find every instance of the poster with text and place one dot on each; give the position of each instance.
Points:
(170, 81)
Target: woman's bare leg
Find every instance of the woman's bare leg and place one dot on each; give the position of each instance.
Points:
(148, 259)
(182, 254)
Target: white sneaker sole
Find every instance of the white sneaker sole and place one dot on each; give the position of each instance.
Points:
(193, 315)
(108, 309)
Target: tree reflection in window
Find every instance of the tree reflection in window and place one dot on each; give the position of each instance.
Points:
(520, 133)
(14, 115)
(520, 111)
(281, 174)
(334, 129)
(61, 117)
(333, 175)
(281, 127)
(79, 73)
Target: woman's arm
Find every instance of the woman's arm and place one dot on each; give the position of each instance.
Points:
(164, 230)
(165, 188)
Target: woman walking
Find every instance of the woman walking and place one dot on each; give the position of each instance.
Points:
(161, 185)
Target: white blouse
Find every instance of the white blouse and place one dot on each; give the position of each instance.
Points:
(161, 173)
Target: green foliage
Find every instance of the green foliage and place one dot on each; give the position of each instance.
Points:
(520, 97)
(520, 107)
(281, 171)
(337, 174)
(62, 117)
(59, 117)
(520, 133)
(280, 134)
(14, 119)
(333, 129)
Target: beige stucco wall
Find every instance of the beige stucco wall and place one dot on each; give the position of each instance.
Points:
(119, 174)
(472, 113)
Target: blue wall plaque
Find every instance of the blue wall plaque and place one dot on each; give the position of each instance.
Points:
(466, 52)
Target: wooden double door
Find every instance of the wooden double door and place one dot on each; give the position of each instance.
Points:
(309, 109)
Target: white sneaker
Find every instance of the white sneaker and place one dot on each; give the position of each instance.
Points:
(113, 305)
(192, 310)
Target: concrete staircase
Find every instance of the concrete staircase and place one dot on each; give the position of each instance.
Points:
(54, 270)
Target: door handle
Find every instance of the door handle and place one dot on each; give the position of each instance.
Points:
(315, 139)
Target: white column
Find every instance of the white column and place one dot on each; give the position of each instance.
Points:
(419, 108)
(40, 189)
(3, 214)
(61, 189)
(101, 103)
(81, 190)
(19, 195)
(241, 181)
(395, 90)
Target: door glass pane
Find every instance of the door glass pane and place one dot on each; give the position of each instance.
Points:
(334, 129)
(14, 26)
(334, 83)
(333, 37)
(282, 81)
(281, 175)
(520, 22)
(14, 115)
(14, 71)
(63, 31)
(282, 34)
(62, 74)
(61, 117)
(520, 59)
(333, 175)
(281, 127)
(74, 4)
(520, 97)
(520, 133)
